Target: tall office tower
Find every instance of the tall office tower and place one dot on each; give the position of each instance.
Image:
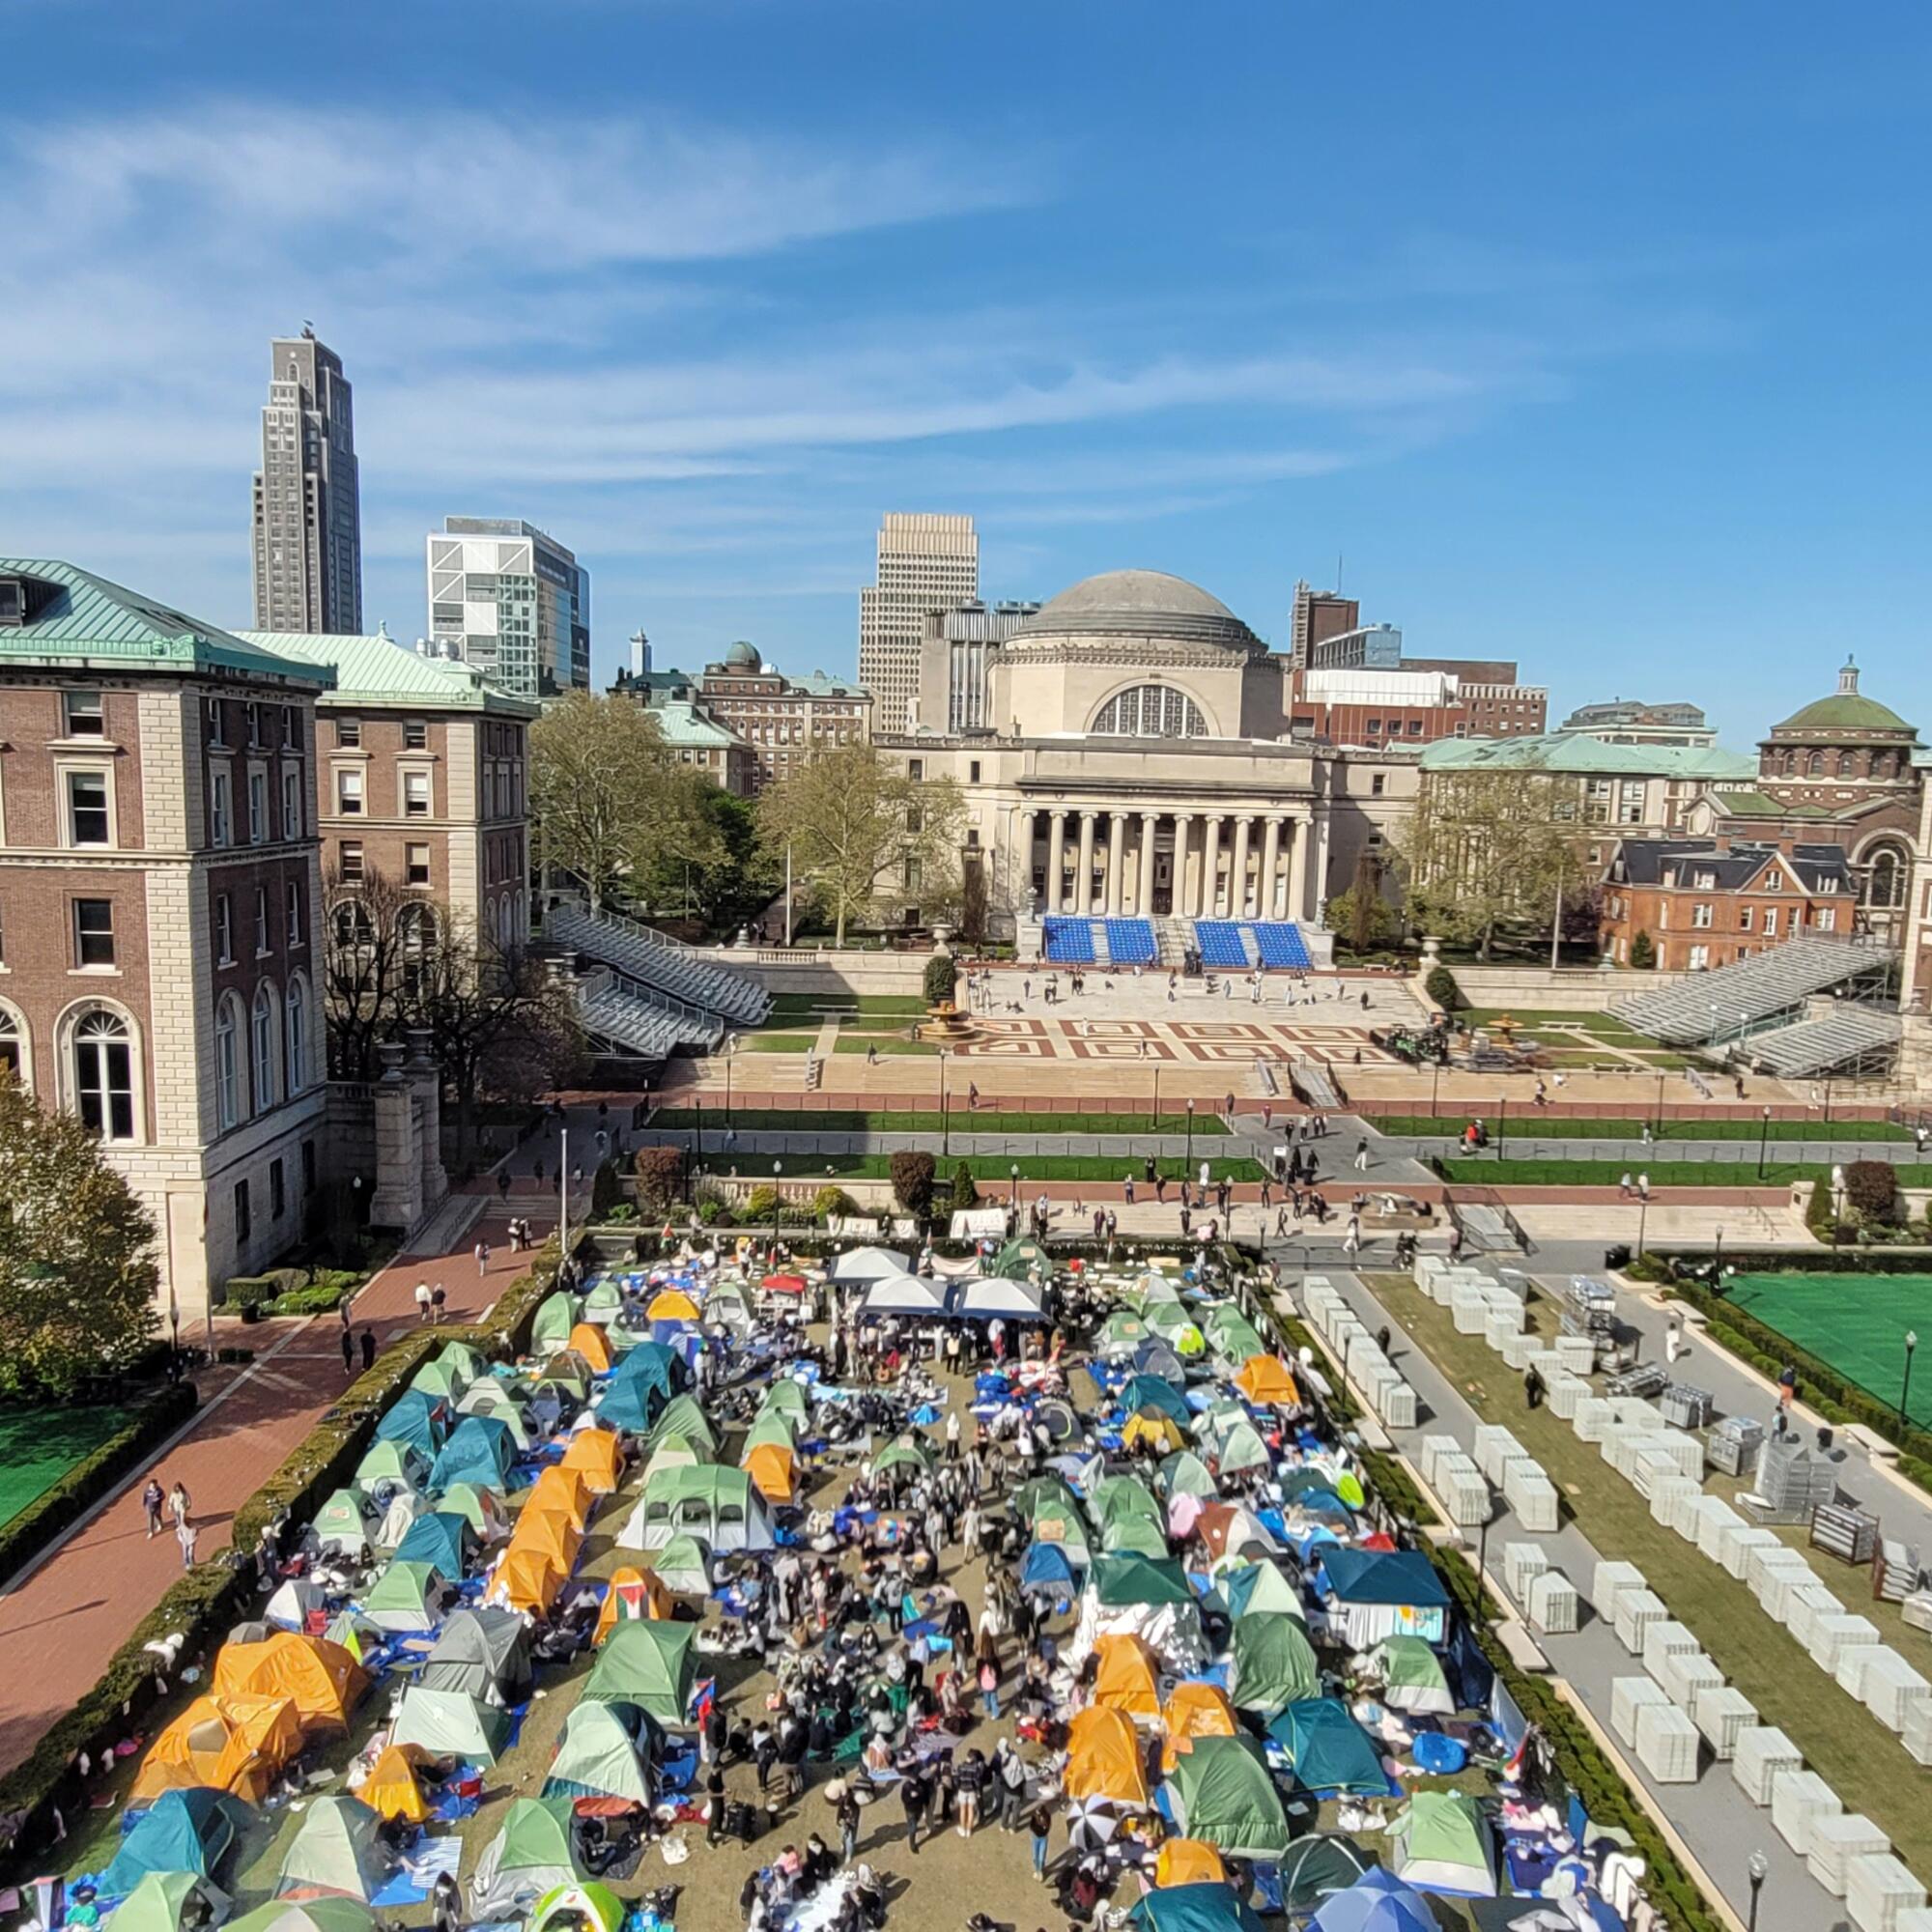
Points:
(511, 601)
(1319, 615)
(641, 653)
(307, 510)
(926, 563)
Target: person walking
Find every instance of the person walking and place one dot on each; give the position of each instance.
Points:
(185, 1534)
(153, 1499)
(968, 1781)
(368, 1350)
(437, 1298)
(423, 1301)
(1362, 1155)
(348, 1352)
(482, 1259)
(1040, 1826)
(913, 1797)
(848, 1824)
(1127, 1189)
(180, 1505)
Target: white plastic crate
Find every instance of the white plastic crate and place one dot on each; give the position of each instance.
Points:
(1758, 1753)
(1799, 1800)
(1892, 1686)
(1836, 1841)
(1493, 1446)
(1879, 1891)
(1620, 1448)
(1851, 1667)
(1465, 1497)
(1742, 1542)
(1649, 1466)
(1364, 1355)
(1610, 1576)
(1634, 1413)
(1469, 1309)
(1521, 1562)
(1546, 1362)
(1769, 1556)
(1720, 1714)
(1565, 1393)
(1667, 1637)
(1805, 1606)
(1516, 1351)
(1916, 1733)
(1499, 1325)
(1780, 1591)
(1637, 1610)
(1686, 1677)
(1683, 1517)
(1716, 1517)
(1832, 1636)
(1433, 1449)
(1552, 1603)
(1628, 1696)
(1667, 1743)
(1667, 1495)
(1914, 1919)
(1594, 1419)
(1576, 1352)
(1398, 1405)
(1533, 1500)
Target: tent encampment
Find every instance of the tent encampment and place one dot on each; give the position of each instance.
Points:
(1220, 1791)
(647, 1665)
(1194, 1711)
(599, 1754)
(1329, 1753)
(191, 1832)
(337, 1848)
(1103, 1758)
(1128, 1677)
(1412, 1677)
(451, 1724)
(405, 1599)
(1440, 1842)
(634, 1594)
(1273, 1663)
(321, 1679)
(482, 1653)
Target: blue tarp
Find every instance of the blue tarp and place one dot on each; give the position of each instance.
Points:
(1397, 1577)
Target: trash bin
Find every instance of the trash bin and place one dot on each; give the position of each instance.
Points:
(1618, 1257)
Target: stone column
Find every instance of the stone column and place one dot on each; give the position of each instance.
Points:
(1237, 882)
(1084, 901)
(1270, 856)
(1056, 859)
(1178, 900)
(397, 1201)
(1028, 823)
(423, 1069)
(1117, 858)
(1211, 865)
(1297, 869)
(1145, 881)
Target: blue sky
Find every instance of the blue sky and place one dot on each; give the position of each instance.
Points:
(1594, 339)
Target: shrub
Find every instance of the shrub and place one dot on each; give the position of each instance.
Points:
(1871, 1190)
(763, 1204)
(940, 977)
(913, 1178)
(965, 1190)
(606, 1190)
(1443, 991)
(320, 1298)
(1643, 953)
(716, 1213)
(621, 1215)
(659, 1175)
(256, 1291)
(832, 1201)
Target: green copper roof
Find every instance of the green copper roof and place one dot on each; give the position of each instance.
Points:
(1846, 711)
(372, 671)
(74, 617)
(682, 725)
(1747, 802)
(1569, 752)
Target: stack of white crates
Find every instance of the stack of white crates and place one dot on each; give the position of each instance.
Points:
(1853, 1661)
(1628, 1696)
(1593, 1418)
(1720, 1714)
(1667, 1743)
(1753, 1536)
(1465, 1495)
(1610, 1579)
(1717, 1523)
(1531, 1495)
(1552, 1603)
(1433, 1449)
(1880, 1892)
(1891, 1687)
(1669, 1494)
(1832, 1636)
(1522, 1561)
(1636, 1612)
(1807, 1608)
(1576, 1353)
(1759, 1752)
(1836, 1841)
(1565, 1393)
(1688, 1676)
(1917, 1734)
(1493, 1447)
(1799, 1800)
(1665, 1637)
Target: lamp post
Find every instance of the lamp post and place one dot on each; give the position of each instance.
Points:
(1642, 1222)
(1434, 1088)
(1828, 1099)
(1757, 1868)
(945, 1119)
(696, 1127)
(1657, 1126)
(563, 1188)
(1154, 1119)
(1013, 1175)
(1905, 1393)
(1190, 1137)
(777, 1206)
(1717, 1264)
(1763, 1141)
(1502, 1123)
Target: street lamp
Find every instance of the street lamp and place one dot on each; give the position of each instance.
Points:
(778, 1171)
(945, 1119)
(728, 1057)
(696, 1127)
(1642, 1221)
(1013, 1175)
(1905, 1393)
(1763, 1140)
(1502, 1124)
(1717, 1264)
(1657, 1132)
(1190, 1137)
(1757, 1868)
(1434, 1088)
(1154, 1119)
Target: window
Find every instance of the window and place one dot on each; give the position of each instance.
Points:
(1700, 916)
(215, 726)
(85, 714)
(261, 921)
(418, 857)
(104, 1076)
(1150, 711)
(278, 1191)
(349, 733)
(915, 769)
(348, 794)
(227, 1063)
(415, 735)
(292, 805)
(243, 1225)
(1826, 918)
(258, 806)
(1377, 783)
(1700, 957)
(220, 807)
(224, 929)
(262, 1048)
(291, 728)
(87, 819)
(1771, 921)
(93, 932)
(254, 724)
(973, 772)
(308, 1168)
(294, 925)
(1746, 914)
(416, 794)
(352, 860)
(297, 1030)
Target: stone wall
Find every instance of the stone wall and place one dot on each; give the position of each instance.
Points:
(1569, 989)
(799, 970)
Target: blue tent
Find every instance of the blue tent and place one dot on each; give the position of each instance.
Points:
(653, 1364)
(1155, 1392)
(1330, 1753)
(190, 1831)
(630, 1403)
(1377, 1902)
(439, 1540)
(1396, 1577)
(417, 1418)
(1211, 1906)
(1046, 1566)
(480, 1450)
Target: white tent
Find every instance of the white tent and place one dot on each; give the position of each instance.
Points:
(904, 1295)
(396, 1521)
(870, 1265)
(990, 1296)
(290, 1604)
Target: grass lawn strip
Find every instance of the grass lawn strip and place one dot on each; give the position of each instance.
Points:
(884, 1043)
(1422, 1127)
(793, 1120)
(993, 1167)
(1856, 1323)
(1855, 1755)
(776, 1042)
(39, 1446)
(1482, 1171)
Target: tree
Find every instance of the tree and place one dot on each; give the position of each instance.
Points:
(77, 1271)
(1871, 1192)
(913, 1177)
(659, 1175)
(728, 878)
(1443, 991)
(965, 1189)
(1366, 920)
(611, 803)
(941, 976)
(863, 836)
(373, 927)
(973, 900)
(1486, 849)
(1643, 953)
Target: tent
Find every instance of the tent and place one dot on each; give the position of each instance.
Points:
(1121, 1334)
(684, 1564)
(526, 1580)
(563, 1488)
(165, 1898)
(647, 1665)
(1137, 1534)
(1143, 1391)
(1194, 1711)
(1048, 1568)
(907, 1452)
(390, 1464)
(1230, 1333)
(1205, 1905)
(1154, 1429)
(1103, 1758)
(405, 1599)
(1375, 1902)
(1189, 1862)
(483, 1653)
(1186, 1474)
(451, 1724)
(293, 1603)
(321, 1679)
(391, 1789)
(1130, 1579)
(480, 1507)
(1220, 1791)
(1019, 1258)
(1176, 1327)
(579, 1908)
(336, 1849)
(417, 1418)
(396, 1521)
(551, 1533)
(238, 1745)
(868, 1264)
(341, 1525)
(597, 1457)
(1386, 1593)
(442, 1539)
(1316, 1867)
(551, 1326)
(1119, 1498)
(787, 1397)
(1239, 1449)
(652, 1364)
(603, 1299)
(772, 1425)
(441, 1380)
(191, 1832)
(634, 1595)
(1275, 1662)
(1151, 1286)
(306, 1915)
(1252, 1589)
(630, 1406)
(996, 1299)
(684, 1415)
(719, 1504)
(1153, 1357)
(1128, 1677)
(1232, 1529)
(1440, 1842)
(1265, 1382)
(908, 1294)
(480, 1450)
(598, 1754)
(590, 1341)
(530, 1855)
(1331, 1754)
(673, 1304)
(1412, 1677)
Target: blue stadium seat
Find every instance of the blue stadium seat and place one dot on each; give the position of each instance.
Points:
(1220, 944)
(1131, 942)
(1070, 942)
(1281, 945)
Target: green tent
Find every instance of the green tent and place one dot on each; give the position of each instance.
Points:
(439, 1378)
(907, 1452)
(157, 1904)
(1209, 1906)
(530, 1856)
(789, 1396)
(340, 1524)
(683, 1565)
(304, 1914)
(597, 1755)
(772, 1425)
(1231, 1334)
(1311, 1869)
(391, 1463)
(1255, 1589)
(1412, 1677)
(719, 1504)
(467, 1361)
(1121, 1334)
(594, 1907)
(403, 1598)
(1331, 1753)
(1134, 1533)
(684, 1415)
(1019, 1258)
(1217, 1418)
(478, 1505)
(1131, 1578)
(602, 1301)
(490, 1399)
(1221, 1792)
(1241, 1448)
(676, 1452)
(1273, 1663)
(648, 1665)
(1145, 1391)
(1174, 1327)
(451, 1724)
(336, 1849)
(555, 1319)
(1148, 1290)
(1117, 1498)
(1441, 1843)
(1186, 1474)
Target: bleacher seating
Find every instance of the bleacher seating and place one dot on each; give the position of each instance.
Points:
(1738, 998)
(1845, 1038)
(1281, 945)
(661, 965)
(629, 1018)
(1220, 944)
(1131, 942)
(1239, 943)
(1070, 942)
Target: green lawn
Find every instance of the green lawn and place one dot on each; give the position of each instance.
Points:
(1486, 1170)
(986, 1166)
(795, 1120)
(1855, 1323)
(1861, 1760)
(39, 1446)
(777, 1042)
(1602, 1026)
(884, 1043)
(1420, 1125)
(809, 1006)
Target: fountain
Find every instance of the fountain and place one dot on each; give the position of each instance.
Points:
(945, 1025)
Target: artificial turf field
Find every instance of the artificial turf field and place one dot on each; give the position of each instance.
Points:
(39, 1446)
(1855, 1323)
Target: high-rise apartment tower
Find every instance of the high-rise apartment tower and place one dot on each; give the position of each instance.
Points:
(307, 507)
(511, 601)
(926, 563)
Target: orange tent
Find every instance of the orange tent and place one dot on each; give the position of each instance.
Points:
(593, 1345)
(324, 1682)
(774, 1468)
(635, 1596)
(552, 1535)
(597, 1458)
(1195, 1710)
(1103, 1758)
(672, 1305)
(235, 1744)
(561, 1486)
(1128, 1676)
(527, 1579)
(392, 1788)
(1263, 1380)
(1189, 1862)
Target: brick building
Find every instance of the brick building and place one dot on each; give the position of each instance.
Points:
(159, 875)
(783, 720)
(1709, 902)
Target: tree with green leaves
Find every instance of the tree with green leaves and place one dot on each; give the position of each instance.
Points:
(727, 878)
(1486, 850)
(865, 838)
(77, 1269)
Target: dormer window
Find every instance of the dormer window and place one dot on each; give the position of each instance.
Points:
(12, 603)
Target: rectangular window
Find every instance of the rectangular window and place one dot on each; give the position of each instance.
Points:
(973, 772)
(1700, 916)
(93, 932)
(87, 822)
(1745, 916)
(416, 794)
(278, 1191)
(349, 733)
(292, 805)
(215, 725)
(415, 735)
(243, 1225)
(1700, 957)
(294, 912)
(1377, 785)
(261, 921)
(1826, 918)
(258, 806)
(86, 714)
(220, 807)
(916, 769)
(348, 794)
(292, 727)
(418, 864)
(352, 862)
(1771, 921)
(224, 929)
(254, 724)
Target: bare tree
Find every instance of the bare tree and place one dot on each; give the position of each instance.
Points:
(363, 959)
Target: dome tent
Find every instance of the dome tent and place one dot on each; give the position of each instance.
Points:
(191, 1832)
(532, 1854)
(1221, 1792)
(233, 1743)
(336, 1849)
(599, 1754)
(1330, 1753)
(393, 1790)
(1273, 1663)
(163, 1899)
(1440, 1842)
(1206, 1905)
(306, 1915)
(484, 1653)
(1413, 1679)
(1194, 1711)
(1103, 1758)
(647, 1665)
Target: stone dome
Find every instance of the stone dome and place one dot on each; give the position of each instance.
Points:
(743, 656)
(1138, 604)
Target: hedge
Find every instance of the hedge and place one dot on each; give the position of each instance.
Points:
(90, 1479)
(211, 1597)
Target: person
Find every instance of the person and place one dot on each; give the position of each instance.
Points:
(1362, 1155)
(969, 1780)
(368, 1350)
(1532, 1387)
(504, 1184)
(1382, 1338)
(1040, 1826)
(1643, 1187)
(153, 1499)
(714, 1791)
(348, 1352)
(913, 1797)
(871, 1055)
(1673, 1338)
(437, 1298)
(482, 1259)
(848, 1824)
(423, 1301)
(446, 1902)
(180, 1504)
(1127, 1189)
(185, 1534)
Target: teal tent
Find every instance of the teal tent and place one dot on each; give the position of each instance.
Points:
(1220, 1792)
(189, 1832)
(479, 1450)
(1252, 1589)
(646, 1664)
(1155, 1392)
(1331, 1754)
(1275, 1662)
(629, 1404)
(1186, 1474)
(415, 1417)
(1212, 1906)
(1130, 1579)
(599, 1754)
(1314, 1868)
(440, 1539)
(653, 1364)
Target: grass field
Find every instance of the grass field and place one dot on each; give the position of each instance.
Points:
(1855, 1323)
(1484, 1170)
(1422, 1126)
(1600, 1026)
(1861, 1760)
(791, 1121)
(992, 1167)
(777, 1042)
(884, 1043)
(810, 1005)
(39, 1446)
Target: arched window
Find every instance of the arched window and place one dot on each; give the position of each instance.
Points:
(228, 1060)
(415, 928)
(1150, 711)
(1816, 768)
(262, 1045)
(1791, 764)
(1886, 881)
(103, 1075)
(353, 925)
(490, 922)
(297, 1030)
(12, 1044)
(1844, 764)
